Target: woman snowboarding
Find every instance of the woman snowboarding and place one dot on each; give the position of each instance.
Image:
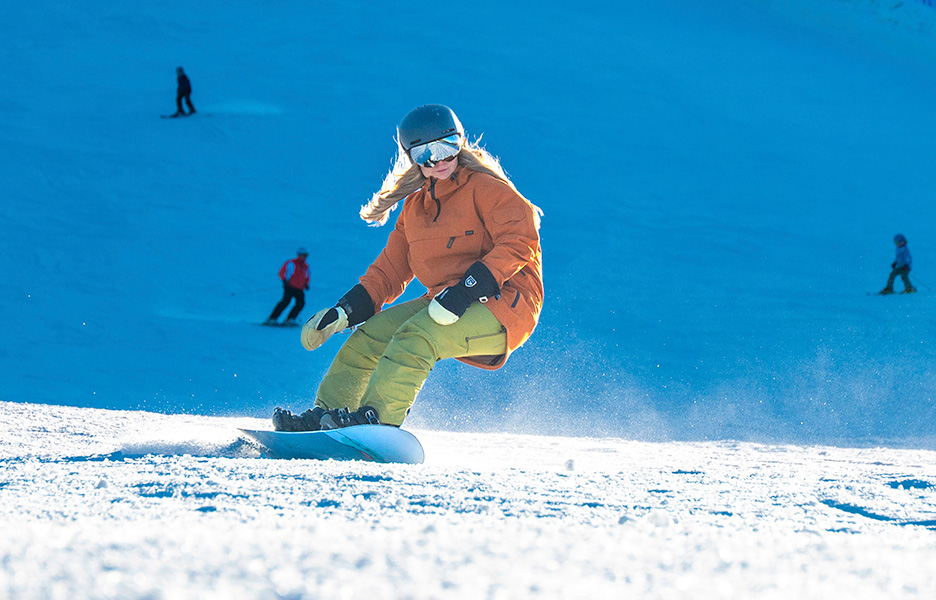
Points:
(470, 238)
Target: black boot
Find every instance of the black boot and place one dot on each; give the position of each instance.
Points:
(335, 418)
(311, 419)
(365, 416)
(342, 417)
(283, 420)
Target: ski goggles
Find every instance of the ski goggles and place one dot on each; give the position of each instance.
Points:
(432, 153)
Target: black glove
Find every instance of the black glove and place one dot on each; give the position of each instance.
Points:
(354, 308)
(451, 303)
(358, 305)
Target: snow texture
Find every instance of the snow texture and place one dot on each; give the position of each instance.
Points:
(110, 504)
(713, 405)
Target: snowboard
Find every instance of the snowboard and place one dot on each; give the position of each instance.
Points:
(175, 116)
(374, 443)
(292, 325)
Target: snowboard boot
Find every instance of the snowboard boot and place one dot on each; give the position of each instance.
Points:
(283, 420)
(311, 419)
(290, 323)
(336, 418)
(342, 417)
(886, 291)
(365, 416)
(909, 290)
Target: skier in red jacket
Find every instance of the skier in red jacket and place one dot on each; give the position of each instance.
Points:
(295, 276)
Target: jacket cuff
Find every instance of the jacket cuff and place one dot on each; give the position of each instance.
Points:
(480, 282)
(358, 305)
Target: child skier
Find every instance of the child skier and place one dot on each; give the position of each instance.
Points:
(901, 266)
(471, 238)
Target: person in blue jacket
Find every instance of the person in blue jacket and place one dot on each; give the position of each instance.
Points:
(901, 266)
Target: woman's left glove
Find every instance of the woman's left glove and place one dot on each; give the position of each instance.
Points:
(451, 303)
(354, 308)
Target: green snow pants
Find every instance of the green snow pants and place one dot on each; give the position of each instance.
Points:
(387, 359)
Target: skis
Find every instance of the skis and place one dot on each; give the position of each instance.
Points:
(289, 324)
(913, 291)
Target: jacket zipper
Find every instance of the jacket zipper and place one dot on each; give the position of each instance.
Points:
(432, 183)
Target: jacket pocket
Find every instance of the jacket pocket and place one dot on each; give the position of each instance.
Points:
(466, 242)
(489, 344)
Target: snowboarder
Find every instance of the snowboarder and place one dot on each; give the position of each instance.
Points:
(901, 266)
(295, 276)
(464, 232)
(183, 92)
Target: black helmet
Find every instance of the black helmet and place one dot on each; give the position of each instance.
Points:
(428, 123)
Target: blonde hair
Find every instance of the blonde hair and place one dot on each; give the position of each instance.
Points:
(405, 178)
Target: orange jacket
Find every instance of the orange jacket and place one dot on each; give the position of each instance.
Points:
(448, 225)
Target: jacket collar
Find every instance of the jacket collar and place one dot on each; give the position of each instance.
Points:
(447, 186)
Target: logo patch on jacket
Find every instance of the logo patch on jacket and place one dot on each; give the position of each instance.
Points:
(470, 281)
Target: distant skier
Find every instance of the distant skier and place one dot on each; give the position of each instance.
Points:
(901, 266)
(295, 276)
(471, 238)
(183, 92)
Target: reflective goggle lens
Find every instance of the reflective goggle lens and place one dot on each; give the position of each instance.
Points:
(432, 153)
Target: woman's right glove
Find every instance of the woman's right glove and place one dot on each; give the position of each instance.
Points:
(323, 324)
(354, 308)
(450, 304)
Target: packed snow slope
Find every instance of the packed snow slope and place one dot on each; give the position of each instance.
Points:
(720, 181)
(130, 505)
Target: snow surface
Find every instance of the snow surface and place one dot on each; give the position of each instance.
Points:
(112, 504)
(720, 181)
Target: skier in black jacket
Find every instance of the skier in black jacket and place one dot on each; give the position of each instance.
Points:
(184, 91)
